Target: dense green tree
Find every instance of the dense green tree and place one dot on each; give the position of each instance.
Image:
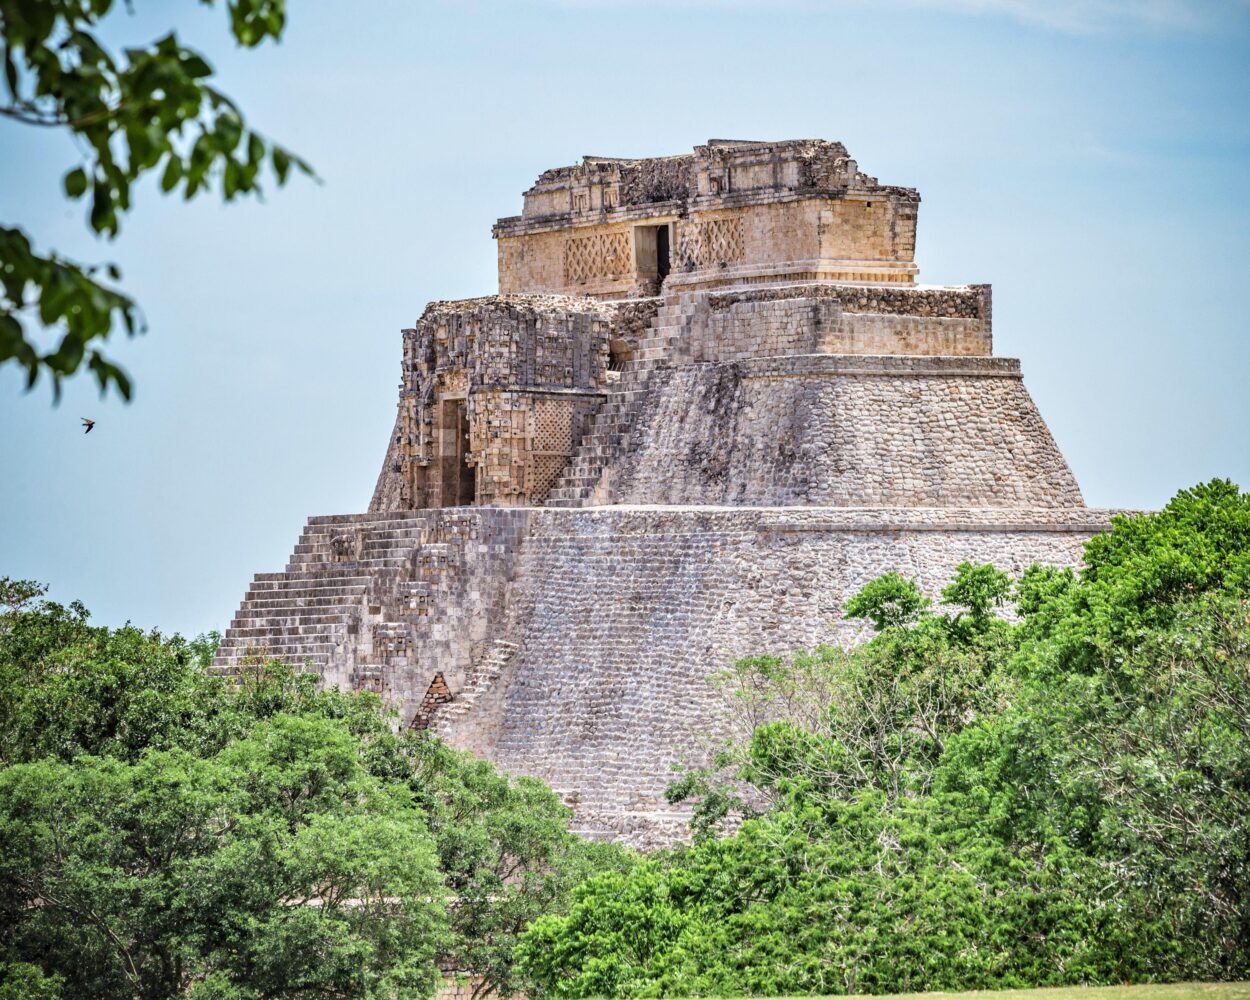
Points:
(253, 838)
(966, 802)
(889, 601)
(276, 868)
(144, 109)
(23, 981)
(506, 853)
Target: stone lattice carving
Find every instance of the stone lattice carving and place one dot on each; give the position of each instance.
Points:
(551, 445)
(600, 255)
(553, 426)
(717, 241)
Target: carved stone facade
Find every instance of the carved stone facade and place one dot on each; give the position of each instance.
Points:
(709, 403)
(729, 213)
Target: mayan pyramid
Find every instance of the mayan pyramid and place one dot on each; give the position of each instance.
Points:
(709, 402)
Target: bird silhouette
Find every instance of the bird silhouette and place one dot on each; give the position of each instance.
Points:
(87, 425)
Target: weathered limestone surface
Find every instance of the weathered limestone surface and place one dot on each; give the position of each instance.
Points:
(576, 643)
(709, 404)
(373, 600)
(844, 431)
(495, 392)
(525, 399)
(619, 615)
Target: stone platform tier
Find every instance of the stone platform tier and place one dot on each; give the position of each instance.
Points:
(576, 645)
(822, 429)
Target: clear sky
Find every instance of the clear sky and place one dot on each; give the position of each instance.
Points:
(1091, 160)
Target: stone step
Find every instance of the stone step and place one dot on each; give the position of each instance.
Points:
(297, 599)
(311, 564)
(270, 578)
(396, 522)
(295, 590)
(376, 520)
(310, 581)
(323, 617)
(241, 650)
(381, 546)
(312, 605)
(296, 635)
(229, 665)
(609, 447)
(611, 426)
(276, 616)
(243, 646)
(480, 680)
(370, 542)
(307, 566)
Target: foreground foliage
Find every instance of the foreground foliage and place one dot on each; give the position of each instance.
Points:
(963, 802)
(131, 113)
(164, 834)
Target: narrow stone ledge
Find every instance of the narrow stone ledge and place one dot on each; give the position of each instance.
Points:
(889, 365)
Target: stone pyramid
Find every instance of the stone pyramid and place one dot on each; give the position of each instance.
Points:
(709, 402)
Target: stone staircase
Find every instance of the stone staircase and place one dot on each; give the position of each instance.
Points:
(585, 481)
(303, 614)
(485, 672)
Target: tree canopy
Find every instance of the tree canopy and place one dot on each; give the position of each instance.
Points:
(167, 833)
(966, 801)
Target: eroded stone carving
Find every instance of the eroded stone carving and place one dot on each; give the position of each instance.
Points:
(601, 255)
(345, 546)
(713, 243)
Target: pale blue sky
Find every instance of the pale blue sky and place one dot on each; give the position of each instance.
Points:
(1090, 160)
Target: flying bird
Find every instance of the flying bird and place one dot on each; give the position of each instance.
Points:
(87, 425)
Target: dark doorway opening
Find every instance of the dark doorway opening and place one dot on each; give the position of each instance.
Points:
(651, 255)
(459, 477)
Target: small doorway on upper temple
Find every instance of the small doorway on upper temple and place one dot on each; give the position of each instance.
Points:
(459, 478)
(651, 254)
(661, 251)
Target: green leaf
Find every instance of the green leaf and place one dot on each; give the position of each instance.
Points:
(305, 168)
(172, 174)
(132, 110)
(102, 217)
(229, 130)
(76, 182)
(231, 182)
(195, 67)
(281, 163)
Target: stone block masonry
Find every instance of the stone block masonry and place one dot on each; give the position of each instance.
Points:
(620, 614)
(575, 645)
(709, 404)
(842, 430)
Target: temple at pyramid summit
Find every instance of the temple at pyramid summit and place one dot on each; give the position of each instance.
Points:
(709, 402)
